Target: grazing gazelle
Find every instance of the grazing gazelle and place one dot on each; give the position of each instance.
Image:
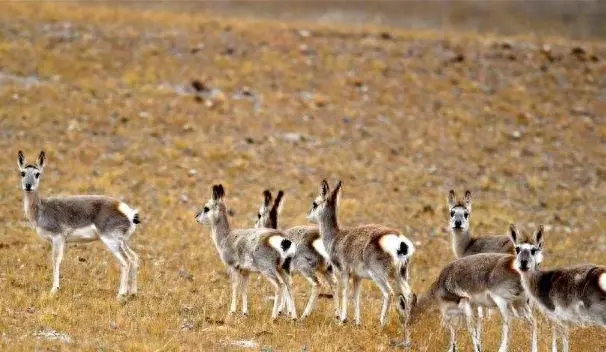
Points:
(464, 244)
(310, 259)
(373, 252)
(61, 220)
(266, 251)
(484, 280)
(573, 295)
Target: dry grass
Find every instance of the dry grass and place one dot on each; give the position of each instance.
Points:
(400, 117)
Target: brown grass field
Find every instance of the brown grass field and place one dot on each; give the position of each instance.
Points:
(400, 116)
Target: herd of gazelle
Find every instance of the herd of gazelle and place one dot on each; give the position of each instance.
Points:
(490, 272)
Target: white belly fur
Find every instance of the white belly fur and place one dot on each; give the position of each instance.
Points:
(83, 234)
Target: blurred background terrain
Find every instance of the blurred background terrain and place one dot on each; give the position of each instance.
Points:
(154, 102)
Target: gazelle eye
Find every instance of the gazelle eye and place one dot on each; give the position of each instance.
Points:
(37, 174)
(451, 213)
(314, 205)
(206, 209)
(517, 250)
(466, 215)
(22, 173)
(533, 251)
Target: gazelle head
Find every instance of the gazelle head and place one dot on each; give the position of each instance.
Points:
(325, 203)
(213, 209)
(30, 174)
(460, 213)
(529, 249)
(268, 212)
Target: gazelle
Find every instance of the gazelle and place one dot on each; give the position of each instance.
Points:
(574, 295)
(310, 259)
(373, 252)
(485, 280)
(266, 251)
(61, 220)
(464, 244)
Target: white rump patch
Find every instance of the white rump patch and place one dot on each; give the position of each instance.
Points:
(276, 242)
(602, 282)
(391, 244)
(128, 211)
(318, 245)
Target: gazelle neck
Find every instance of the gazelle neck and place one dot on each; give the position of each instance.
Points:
(31, 205)
(460, 241)
(220, 229)
(329, 228)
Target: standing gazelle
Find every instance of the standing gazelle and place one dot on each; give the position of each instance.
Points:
(573, 295)
(484, 280)
(464, 244)
(266, 251)
(310, 259)
(61, 220)
(373, 252)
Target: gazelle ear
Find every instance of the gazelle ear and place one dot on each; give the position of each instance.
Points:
(513, 232)
(468, 200)
(278, 202)
(20, 160)
(267, 198)
(539, 237)
(324, 189)
(451, 199)
(334, 196)
(41, 160)
(218, 192)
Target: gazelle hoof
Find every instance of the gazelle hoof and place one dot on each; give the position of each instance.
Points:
(54, 291)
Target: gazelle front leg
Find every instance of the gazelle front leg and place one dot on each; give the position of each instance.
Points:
(356, 298)
(58, 244)
(236, 278)
(466, 307)
(344, 298)
(331, 278)
(244, 289)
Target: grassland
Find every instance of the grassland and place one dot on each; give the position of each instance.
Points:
(399, 116)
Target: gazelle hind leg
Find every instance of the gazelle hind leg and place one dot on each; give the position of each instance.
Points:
(286, 282)
(134, 265)
(332, 281)
(114, 245)
(387, 291)
(273, 279)
(313, 281)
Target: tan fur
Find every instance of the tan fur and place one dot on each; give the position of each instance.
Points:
(357, 253)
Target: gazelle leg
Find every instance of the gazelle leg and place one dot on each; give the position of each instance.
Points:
(313, 281)
(534, 342)
(236, 278)
(273, 279)
(114, 245)
(564, 333)
(356, 283)
(479, 324)
(286, 280)
(466, 306)
(58, 243)
(134, 265)
(452, 346)
(344, 298)
(331, 278)
(554, 338)
(387, 291)
(244, 289)
(503, 308)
